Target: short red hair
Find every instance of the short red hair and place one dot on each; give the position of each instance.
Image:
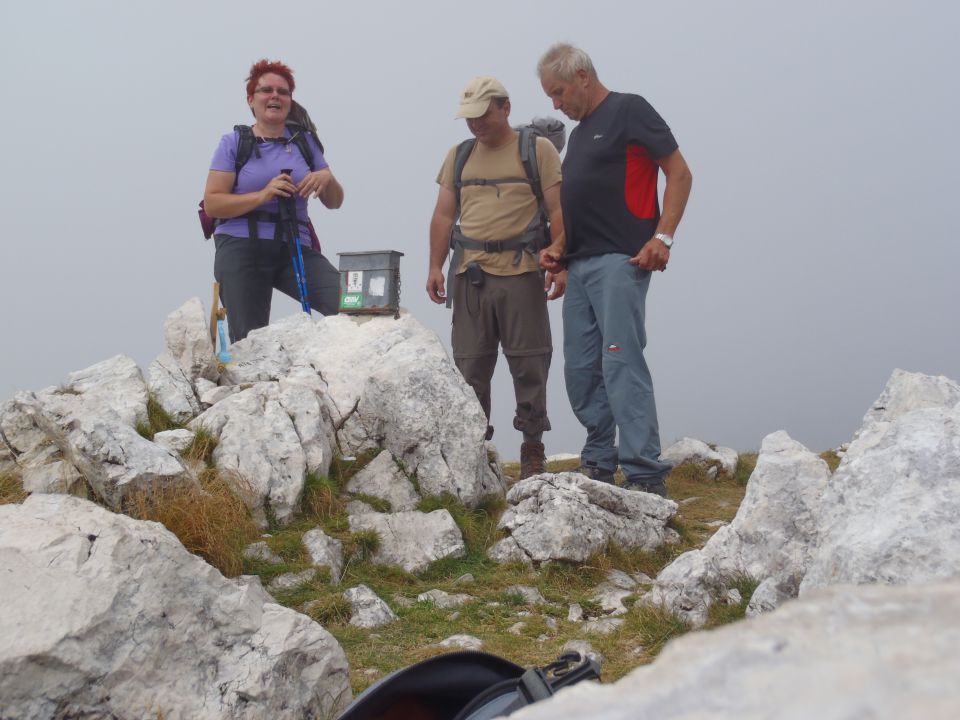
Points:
(266, 66)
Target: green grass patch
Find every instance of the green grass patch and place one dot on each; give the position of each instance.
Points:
(831, 458)
(723, 613)
(745, 467)
(201, 447)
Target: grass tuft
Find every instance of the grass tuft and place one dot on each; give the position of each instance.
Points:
(158, 420)
(831, 458)
(361, 545)
(208, 517)
(11, 488)
(721, 613)
(748, 461)
(201, 447)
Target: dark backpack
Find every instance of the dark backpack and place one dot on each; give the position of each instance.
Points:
(466, 685)
(246, 147)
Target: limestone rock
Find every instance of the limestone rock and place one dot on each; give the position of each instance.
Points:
(443, 599)
(772, 535)
(172, 388)
(258, 442)
(389, 385)
(570, 517)
(530, 595)
(855, 652)
(697, 452)
(612, 592)
(175, 440)
(118, 620)
(381, 478)
(369, 611)
(891, 513)
(261, 551)
(462, 642)
(290, 580)
(325, 551)
(107, 451)
(412, 539)
(187, 338)
(602, 626)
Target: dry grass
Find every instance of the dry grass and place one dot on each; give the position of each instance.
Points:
(11, 488)
(209, 518)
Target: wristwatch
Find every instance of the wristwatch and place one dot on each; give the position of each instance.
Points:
(665, 239)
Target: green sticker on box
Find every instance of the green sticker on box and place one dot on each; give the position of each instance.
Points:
(352, 300)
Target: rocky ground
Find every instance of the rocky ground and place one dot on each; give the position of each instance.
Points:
(330, 512)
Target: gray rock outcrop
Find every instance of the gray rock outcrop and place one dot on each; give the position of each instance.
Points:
(412, 540)
(717, 461)
(368, 610)
(772, 536)
(106, 616)
(570, 517)
(381, 478)
(842, 653)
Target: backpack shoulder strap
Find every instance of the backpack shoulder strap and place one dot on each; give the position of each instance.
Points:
(528, 156)
(459, 161)
(246, 146)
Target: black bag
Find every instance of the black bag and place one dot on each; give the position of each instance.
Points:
(466, 685)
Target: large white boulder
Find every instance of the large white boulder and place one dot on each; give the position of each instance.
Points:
(842, 653)
(567, 516)
(891, 513)
(389, 384)
(771, 538)
(113, 458)
(262, 433)
(106, 616)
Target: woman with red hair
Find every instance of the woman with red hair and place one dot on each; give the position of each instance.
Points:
(252, 257)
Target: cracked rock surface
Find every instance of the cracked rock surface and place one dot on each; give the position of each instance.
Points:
(566, 516)
(106, 616)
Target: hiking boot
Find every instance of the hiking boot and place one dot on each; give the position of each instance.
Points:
(532, 460)
(656, 486)
(596, 473)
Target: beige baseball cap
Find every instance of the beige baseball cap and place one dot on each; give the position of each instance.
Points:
(476, 96)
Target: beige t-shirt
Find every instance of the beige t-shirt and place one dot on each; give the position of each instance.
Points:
(491, 212)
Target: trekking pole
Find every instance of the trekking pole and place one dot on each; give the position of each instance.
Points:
(288, 220)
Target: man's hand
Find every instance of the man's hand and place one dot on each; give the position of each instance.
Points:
(555, 284)
(550, 258)
(435, 286)
(652, 256)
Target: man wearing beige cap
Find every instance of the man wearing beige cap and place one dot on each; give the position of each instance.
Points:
(498, 294)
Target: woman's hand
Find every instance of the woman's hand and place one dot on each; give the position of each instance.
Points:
(315, 183)
(278, 187)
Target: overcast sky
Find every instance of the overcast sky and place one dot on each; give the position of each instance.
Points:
(818, 251)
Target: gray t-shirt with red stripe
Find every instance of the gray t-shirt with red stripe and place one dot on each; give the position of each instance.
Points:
(609, 190)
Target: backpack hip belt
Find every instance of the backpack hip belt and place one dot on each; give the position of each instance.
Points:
(530, 242)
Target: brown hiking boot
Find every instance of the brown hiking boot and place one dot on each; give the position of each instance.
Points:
(532, 460)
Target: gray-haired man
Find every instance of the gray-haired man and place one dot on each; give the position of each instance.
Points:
(616, 237)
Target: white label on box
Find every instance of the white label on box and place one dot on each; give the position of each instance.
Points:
(355, 281)
(378, 286)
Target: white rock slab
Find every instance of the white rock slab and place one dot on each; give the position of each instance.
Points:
(891, 514)
(697, 452)
(325, 551)
(772, 535)
(369, 611)
(864, 652)
(381, 478)
(172, 388)
(111, 617)
(175, 440)
(259, 442)
(412, 540)
(107, 451)
(261, 551)
(444, 599)
(530, 594)
(462, 642)
(187, 338)
(570, 517)
(389, 385)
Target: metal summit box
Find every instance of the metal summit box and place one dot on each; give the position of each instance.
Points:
(370, 282)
